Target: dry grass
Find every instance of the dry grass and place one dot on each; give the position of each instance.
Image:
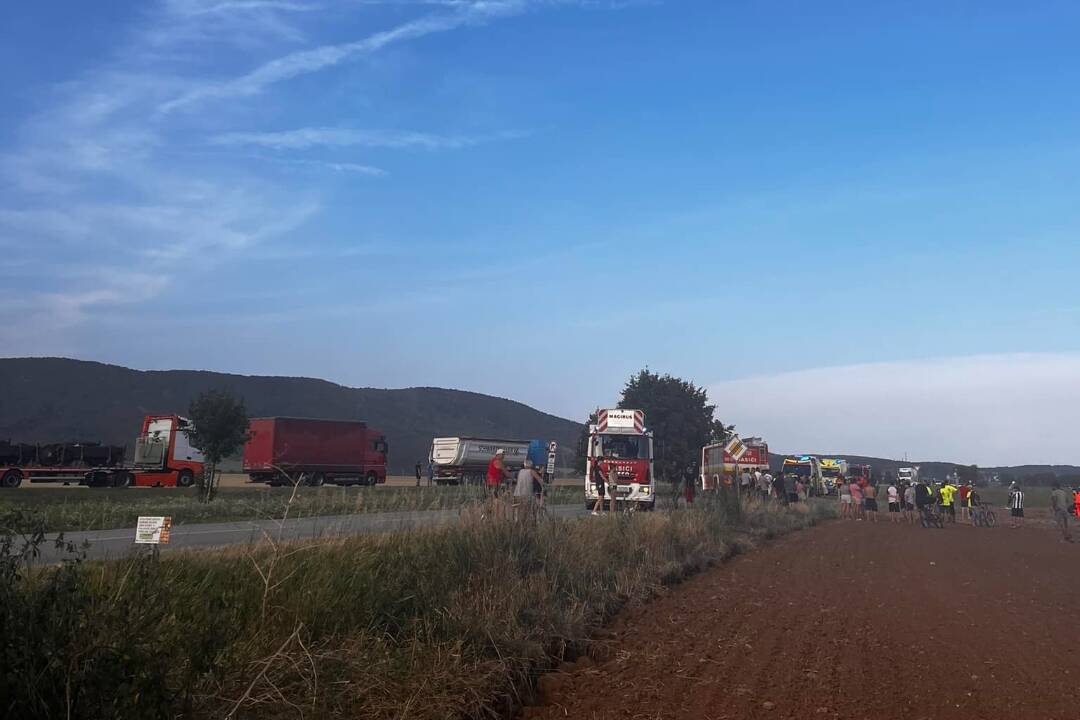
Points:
(441, 623)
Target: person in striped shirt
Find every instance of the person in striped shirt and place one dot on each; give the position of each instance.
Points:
(1016, 505)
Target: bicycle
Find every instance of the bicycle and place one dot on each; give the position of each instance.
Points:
(930, 516)
(983, 516)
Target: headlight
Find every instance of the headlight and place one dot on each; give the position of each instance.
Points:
(645, 490)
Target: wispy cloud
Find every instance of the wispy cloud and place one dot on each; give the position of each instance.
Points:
(341, 137)
(309, 61)
(102, 169)
(987, 409)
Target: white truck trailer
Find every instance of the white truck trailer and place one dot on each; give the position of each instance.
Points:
(464, 460)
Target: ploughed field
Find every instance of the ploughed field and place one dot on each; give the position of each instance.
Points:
(849, 620)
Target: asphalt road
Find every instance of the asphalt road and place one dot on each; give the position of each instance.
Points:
(119, 543)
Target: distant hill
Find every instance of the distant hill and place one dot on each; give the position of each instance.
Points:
(56, 399)
(939, 469)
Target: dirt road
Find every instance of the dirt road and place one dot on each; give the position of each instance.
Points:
(850, 620)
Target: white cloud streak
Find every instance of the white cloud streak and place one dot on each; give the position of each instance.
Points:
(309, 61)
(303, 138)
(991, 410)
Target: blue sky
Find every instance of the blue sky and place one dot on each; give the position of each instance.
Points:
(534, 199)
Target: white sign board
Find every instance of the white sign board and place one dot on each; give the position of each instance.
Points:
(620, 418)
(153, 530)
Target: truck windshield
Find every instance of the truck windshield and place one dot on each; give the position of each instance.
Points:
(830, 472)
(623, 447)
(802, 470)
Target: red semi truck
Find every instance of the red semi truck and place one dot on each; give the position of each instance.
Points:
(164, 457)
(285, 450)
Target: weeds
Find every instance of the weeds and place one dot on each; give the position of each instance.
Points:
(441, 623)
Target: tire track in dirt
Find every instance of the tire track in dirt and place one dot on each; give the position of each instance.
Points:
(850, 620)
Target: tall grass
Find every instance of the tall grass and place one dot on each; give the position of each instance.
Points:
(56, 510)
(441, 623)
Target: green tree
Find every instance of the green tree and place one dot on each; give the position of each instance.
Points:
(221, 428)
(968, 473)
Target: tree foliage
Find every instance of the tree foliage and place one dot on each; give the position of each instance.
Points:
(679, 414)
(221, 428)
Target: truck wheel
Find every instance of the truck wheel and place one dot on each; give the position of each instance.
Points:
(11, 480)
(121, 479)
(185, 478)
(372, 478)
(316, 479)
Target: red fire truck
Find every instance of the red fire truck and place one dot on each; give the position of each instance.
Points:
(163, 457)
(620, 437)
(718, 466)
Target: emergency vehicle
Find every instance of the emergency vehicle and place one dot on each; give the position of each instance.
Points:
(808, 468)
(719, 466)
(620, 438)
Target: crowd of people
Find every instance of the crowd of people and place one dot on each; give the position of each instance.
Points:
(782, 487)
(953, 502)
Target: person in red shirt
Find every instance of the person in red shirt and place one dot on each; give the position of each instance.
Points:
(496, 474)
(965, 490)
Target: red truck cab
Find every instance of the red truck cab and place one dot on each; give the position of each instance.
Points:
(164, 456)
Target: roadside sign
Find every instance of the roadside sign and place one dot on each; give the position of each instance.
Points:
(735, 447)
(551, 458)
(153, 530)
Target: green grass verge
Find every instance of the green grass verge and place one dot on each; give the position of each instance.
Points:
(56, 510)
(442, 623)
(1034, 497)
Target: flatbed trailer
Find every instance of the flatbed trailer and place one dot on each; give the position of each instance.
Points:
(14, 476)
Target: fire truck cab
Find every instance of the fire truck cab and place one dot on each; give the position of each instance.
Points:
(620, 438)
(164, 456)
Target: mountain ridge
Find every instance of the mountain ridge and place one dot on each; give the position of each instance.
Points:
(56, 399)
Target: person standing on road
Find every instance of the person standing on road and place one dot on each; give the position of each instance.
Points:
(973, 503)
(965, 489)
(893, 495)
(523, 490)
(778, 487)
(766, 486)
(600, 481)
(744, 482)
(691, 485)
(856, 499)
(790, 491)
(1016, 506)
(430, 473)
(948, 495)
(1059, 506)
(418, 474)
(909, 502)
(497, 474)
(845, 501)
(870, 501)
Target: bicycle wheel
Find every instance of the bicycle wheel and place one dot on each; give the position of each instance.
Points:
(989, 519)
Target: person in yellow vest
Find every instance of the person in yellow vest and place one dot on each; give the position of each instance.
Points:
(948, 497)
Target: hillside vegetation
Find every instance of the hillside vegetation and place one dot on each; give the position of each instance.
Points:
(56, 400)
